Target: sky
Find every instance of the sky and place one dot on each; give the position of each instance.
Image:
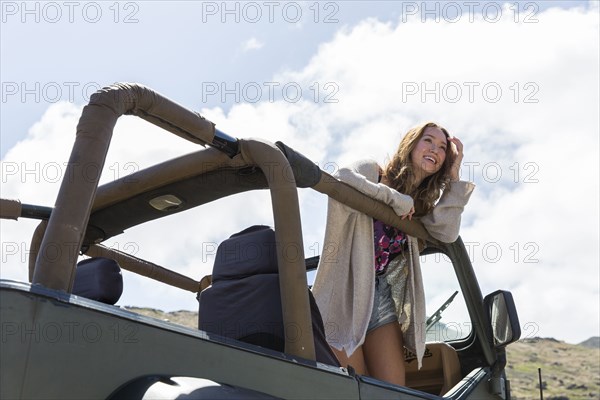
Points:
(338, 81)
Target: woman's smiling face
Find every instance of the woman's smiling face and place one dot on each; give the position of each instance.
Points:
(429, 154)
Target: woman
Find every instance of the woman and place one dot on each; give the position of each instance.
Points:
(368, 284)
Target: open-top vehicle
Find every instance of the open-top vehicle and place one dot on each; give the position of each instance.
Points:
(59, 341)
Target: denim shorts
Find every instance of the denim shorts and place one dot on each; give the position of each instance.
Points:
(384, 309)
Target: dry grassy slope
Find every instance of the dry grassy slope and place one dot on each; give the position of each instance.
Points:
(569, 372)
(185, 318)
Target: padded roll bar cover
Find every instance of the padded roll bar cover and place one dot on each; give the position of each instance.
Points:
(10, 209)
(99, 279)
(306, 172)
(246, 253)
(69, 219)
(126, 98)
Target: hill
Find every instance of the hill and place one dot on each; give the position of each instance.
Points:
(569, 372)
(593, 342)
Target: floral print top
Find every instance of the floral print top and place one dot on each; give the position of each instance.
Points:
(389, 243)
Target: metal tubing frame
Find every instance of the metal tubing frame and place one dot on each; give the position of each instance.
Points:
(55, 263)
(57, 256)
(290, 249)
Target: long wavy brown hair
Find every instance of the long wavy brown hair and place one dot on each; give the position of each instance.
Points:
(399, 171)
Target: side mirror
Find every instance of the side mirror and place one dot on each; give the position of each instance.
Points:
(503, 318)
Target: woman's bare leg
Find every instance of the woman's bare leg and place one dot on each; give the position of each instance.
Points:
(384, 354)
(356, 360)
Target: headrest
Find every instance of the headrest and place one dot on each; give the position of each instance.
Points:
(249, 252)
(99, 279)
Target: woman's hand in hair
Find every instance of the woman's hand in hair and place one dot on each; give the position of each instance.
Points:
(456, 147)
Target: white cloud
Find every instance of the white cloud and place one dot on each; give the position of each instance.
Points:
(532, 230)
(252, 44)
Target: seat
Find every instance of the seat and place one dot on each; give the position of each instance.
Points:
(99, 279)
(440, 370)
(244, 302)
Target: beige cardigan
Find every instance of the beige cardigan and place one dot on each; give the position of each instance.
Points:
(345, 281)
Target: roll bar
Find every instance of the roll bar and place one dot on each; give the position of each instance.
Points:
(64, 234)
(55, 264)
